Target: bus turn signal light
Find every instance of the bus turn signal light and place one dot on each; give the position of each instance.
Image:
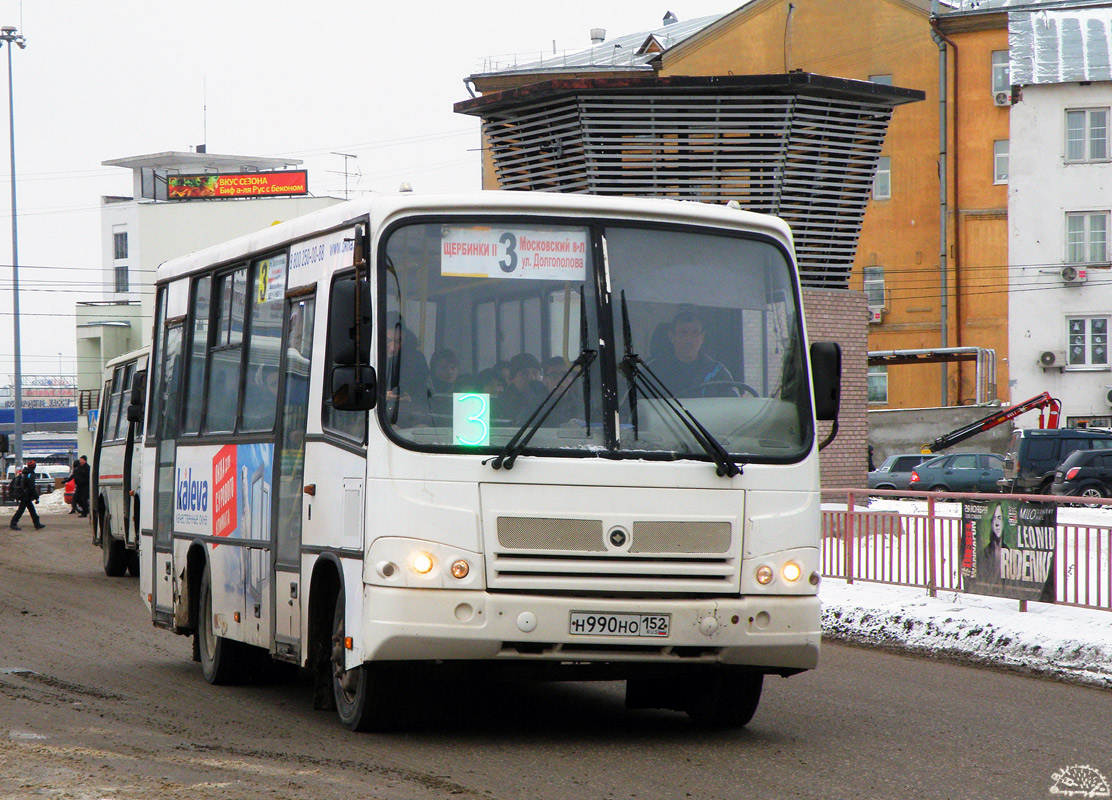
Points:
(460, 569)
(764, 575)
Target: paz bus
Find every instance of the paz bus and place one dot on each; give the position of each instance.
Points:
(115, 469)
(314, 492)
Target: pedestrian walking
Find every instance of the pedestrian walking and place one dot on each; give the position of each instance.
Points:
(79, 474)
(25, 492)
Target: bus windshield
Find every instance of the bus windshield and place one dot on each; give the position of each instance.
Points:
(485, 322)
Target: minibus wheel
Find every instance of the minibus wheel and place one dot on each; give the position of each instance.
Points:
(221, 658)
(724, 698)
(365, 697)
(114, 555)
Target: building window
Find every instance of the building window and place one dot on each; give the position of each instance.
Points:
(120, 272)
(1087, 134)
(886, 80)
(1088, 341)
(882, 183)
(874, 286)
(1087, 238)
(878, 383)
(1001, 75)
(1000, 161)
(119, 245)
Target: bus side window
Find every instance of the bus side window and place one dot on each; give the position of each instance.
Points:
(196, 355)
(226, 352)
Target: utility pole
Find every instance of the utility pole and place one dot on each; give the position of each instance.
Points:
(9, 35)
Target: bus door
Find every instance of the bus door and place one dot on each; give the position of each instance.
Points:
(165, 435)
(289, 487)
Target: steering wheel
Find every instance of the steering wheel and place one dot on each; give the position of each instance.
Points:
(697, 390)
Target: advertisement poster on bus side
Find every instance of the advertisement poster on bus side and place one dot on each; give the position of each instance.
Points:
(310, 260)
(224, 490)
(530, 253)
(1007, 549)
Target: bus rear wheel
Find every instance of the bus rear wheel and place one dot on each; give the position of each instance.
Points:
(113, 553)
(366, 699)
(221, 658)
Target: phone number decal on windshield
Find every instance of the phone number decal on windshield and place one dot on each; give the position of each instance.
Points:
(588, 623)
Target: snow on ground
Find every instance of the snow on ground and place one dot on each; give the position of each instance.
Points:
(1058, 641)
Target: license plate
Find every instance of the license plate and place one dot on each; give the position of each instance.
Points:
(591, 623)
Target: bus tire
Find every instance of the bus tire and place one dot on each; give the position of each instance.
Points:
(221, 658)
(113, 553)
(724, 698)
(365, 698)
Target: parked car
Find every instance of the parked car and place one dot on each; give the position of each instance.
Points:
(1034, 455)
(895, 472)
(959, 472)
(1084, 473)
(44, 476)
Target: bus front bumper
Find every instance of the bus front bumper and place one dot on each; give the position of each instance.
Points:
(778, 633)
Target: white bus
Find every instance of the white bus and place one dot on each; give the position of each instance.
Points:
(114, 474)
(315, 493)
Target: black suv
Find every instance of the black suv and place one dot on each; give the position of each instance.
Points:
(1035, 454)
(1084, 474)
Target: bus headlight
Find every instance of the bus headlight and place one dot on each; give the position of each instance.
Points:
(422, 563)
(764, 575)
(791, 572)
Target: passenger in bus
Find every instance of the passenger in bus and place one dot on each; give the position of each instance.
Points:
(687, 371)
(407, 374)
(569, 406)
(525, 391)
(444, 372)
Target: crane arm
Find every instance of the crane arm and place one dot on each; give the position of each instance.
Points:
(1042, 401)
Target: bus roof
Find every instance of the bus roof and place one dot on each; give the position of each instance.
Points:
(383, 208)
(134, 355)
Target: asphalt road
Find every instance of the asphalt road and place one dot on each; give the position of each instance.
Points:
(95, 703)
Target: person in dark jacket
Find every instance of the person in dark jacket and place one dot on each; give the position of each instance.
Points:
(687, 371)
(27, 494)
(80, 477)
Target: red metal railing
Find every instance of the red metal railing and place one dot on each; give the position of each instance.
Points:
(916, 541)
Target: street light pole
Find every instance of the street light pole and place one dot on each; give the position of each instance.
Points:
(9, 35)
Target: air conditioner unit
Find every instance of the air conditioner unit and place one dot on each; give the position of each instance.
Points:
(1002, 99)
(876, 316)
(1074, 275)
(1108, 397)
(1052, 359)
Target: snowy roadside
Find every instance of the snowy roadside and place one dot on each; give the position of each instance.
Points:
(1062, 642)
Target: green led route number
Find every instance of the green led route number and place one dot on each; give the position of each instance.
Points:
(471, 419)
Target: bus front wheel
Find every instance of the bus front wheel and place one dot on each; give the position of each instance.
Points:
(726, 698)
(221, 658)
(365, 698)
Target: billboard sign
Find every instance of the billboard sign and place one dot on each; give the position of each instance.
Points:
(239, 184)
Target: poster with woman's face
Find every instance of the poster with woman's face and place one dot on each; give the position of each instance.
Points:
(1008, 548)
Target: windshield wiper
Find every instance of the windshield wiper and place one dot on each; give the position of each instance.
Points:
(637, 372)
(517, 442)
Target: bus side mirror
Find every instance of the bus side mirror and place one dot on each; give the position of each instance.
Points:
(826, 375)
(354, 388)
(138, 394)
(349, 338)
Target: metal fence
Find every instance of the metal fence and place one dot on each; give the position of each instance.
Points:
(917, 542)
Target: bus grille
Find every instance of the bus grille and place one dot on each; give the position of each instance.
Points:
(549, 554)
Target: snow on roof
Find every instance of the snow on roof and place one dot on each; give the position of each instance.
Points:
(633, 51)
(1060, 46)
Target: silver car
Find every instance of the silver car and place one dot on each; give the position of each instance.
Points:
(895, 472)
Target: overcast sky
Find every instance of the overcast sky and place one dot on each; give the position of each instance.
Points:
(374, 78)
